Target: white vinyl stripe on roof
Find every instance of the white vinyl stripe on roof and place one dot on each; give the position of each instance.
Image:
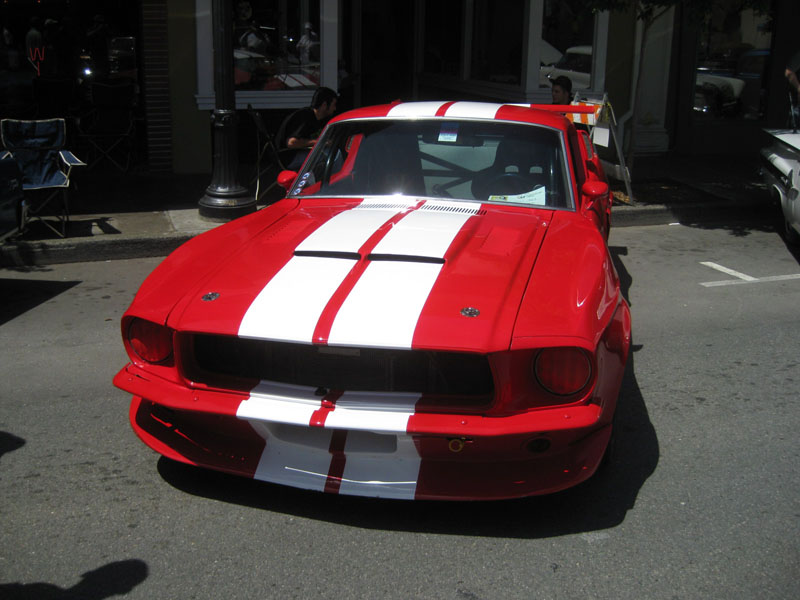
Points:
(416, 109)
(473, 110)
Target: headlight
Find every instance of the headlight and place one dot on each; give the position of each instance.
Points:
(150, 341)
(562, 371)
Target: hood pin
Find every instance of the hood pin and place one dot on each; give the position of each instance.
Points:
(468, 311)
(210, 297)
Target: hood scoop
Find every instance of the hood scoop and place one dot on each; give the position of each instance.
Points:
(329, 254)
(376, 257)
(451, 207)
(411, 258)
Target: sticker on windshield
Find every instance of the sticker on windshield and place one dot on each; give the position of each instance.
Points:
(536, 197)
(448, 132)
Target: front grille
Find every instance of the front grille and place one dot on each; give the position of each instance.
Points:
(453, 374)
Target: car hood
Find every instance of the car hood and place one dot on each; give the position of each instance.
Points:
(386, 272)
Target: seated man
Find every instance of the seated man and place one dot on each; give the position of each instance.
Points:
(300, 130)
(562, 89)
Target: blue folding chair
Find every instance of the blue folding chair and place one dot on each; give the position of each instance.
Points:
(38, 149)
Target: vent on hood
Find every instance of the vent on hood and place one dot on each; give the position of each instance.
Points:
(451, 208)
(328, 254)
(406, 258)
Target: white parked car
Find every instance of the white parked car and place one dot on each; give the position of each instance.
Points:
(781, 172)
(576, 63)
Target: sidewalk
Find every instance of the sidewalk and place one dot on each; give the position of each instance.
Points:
(139, 215)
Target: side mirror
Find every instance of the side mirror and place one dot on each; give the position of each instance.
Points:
(593, 190)
(286, 179)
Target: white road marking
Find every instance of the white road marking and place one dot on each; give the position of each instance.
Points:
(752, 280)
(728, 271)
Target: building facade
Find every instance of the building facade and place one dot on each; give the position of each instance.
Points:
(708, 83)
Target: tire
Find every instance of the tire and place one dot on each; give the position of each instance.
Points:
(791, 235)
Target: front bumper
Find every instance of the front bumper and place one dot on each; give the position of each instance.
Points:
(383, 451)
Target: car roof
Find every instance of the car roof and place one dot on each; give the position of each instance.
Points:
(520, 113)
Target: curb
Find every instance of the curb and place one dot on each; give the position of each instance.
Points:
(109, 247)
(23, 253)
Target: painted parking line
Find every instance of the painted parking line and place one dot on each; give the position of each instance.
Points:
(728, 271)
(741, 277)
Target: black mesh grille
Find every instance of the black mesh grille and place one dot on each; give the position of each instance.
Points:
(347, 369)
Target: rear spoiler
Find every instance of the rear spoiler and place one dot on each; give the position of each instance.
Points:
(599, 118)
(581, 112)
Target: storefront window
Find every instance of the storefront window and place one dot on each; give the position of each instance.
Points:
(276, 44)
(497, 41)
(732, 54)
(567, 39)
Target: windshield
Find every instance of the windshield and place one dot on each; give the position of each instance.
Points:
(486, 161)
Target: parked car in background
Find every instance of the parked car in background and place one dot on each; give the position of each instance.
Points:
(431, 312)
(781, 172)
(576, 63)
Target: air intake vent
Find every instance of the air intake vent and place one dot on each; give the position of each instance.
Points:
(451, 207)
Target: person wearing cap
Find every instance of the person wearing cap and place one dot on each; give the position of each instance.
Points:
(299, 131)
(562, 89)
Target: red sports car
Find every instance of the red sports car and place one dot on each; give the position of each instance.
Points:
(430, 312)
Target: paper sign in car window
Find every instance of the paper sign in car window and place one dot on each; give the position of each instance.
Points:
(536, 197)
(448, 132)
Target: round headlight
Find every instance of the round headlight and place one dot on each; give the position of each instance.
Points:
(562, 371)
(150, 341)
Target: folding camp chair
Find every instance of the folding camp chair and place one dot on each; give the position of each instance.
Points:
(38, 149)
(270, 159)
(109, 127)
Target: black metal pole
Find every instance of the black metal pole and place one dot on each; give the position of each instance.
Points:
(225, 198)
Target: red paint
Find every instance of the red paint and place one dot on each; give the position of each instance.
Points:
(539, 278)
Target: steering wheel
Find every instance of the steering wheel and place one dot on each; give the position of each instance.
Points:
(508, 184)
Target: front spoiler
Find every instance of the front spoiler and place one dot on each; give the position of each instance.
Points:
(438, 456)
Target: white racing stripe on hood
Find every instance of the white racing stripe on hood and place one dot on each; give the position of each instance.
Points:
(289, 306)
(426, 232)
(347, 231)
(385, 304)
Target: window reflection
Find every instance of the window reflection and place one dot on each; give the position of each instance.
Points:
(567, 39)
(276, 44)
(443, 37)
(497, 41)
(732, 54)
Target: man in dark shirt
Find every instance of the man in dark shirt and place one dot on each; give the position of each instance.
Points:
(300, 129)
(562, 89)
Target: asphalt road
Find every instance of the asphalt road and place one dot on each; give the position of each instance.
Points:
(701, 500)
